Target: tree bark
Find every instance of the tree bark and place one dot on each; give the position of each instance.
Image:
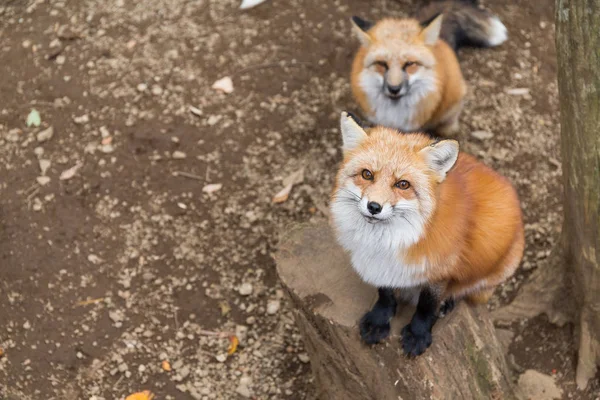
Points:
(465, 360)
(578, 49)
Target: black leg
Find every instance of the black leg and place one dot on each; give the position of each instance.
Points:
(447, 306)
(416, 336)
(375, 325)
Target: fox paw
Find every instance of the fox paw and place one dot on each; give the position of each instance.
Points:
(375, 326)
(446, 307)
(415, 345)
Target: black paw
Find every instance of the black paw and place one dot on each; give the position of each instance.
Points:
(415, 345)
(375, 326)
(447, 307)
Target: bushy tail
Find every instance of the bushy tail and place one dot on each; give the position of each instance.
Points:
(465, 24)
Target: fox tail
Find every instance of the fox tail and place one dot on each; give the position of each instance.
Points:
(465, 23)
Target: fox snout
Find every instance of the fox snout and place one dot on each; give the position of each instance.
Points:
(396, 83)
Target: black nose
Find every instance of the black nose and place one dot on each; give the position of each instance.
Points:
(373, 207)
(394, 89)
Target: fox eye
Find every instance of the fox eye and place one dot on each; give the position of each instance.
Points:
(409, 64)
(402, 184)
(381, 64)
(367, 175)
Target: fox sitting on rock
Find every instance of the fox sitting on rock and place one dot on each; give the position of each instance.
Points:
(406, 75)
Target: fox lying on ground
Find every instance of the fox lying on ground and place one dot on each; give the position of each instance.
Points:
(406, 74)
(416, 214)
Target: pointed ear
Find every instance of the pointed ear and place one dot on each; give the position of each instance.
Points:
(431, 33)
(361, 28)
(352, 133)
(441, 156)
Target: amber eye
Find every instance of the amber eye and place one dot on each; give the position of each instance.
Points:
(409, 64)
(403, 185)
(381, 64)
(366, 174)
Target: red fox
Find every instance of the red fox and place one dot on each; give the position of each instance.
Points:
(406, 75)
(416, 214)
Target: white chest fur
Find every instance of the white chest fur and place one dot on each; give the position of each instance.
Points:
(383, 268)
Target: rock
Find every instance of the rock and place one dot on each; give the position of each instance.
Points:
(303, 357)
(245, 289)
(142, 87)
(84, 119)
(538, 386)
(221, 358)
(13, 135)
(273, 306)
(44, 166)
(45, 135)
(43, 180)
(184, 372)
(224, 85)
(116, 315)
(156, 90)
(482, 135)
(179, 155)
(244, 391)
(212, 187)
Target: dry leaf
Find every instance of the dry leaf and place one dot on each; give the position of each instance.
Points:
(250, 3)
(225, 308)
(107, 140)
(234, 341)
(293, 179)
(224, 85)
(145, 395)
(166, 366)
(69, 173)
(211, 188)
(283, 194)
(1, 352)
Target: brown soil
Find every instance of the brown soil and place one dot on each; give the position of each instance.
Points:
(160, 260)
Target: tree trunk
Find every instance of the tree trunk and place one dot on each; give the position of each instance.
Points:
(465, 360)
(578, 49)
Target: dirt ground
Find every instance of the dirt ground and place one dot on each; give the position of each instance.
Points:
(129, 263)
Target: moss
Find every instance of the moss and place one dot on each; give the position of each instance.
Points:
(483, 377)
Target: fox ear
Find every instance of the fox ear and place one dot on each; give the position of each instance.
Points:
(352, 133)
(431, 33)
(361, 28)
(441, 156)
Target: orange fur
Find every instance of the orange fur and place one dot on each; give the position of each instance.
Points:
(473, 238)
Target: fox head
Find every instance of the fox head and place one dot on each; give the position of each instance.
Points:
(398, 59)
(386, 185)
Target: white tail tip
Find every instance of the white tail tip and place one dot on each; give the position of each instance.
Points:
(497, 33)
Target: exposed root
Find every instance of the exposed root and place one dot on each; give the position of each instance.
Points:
(541, 294)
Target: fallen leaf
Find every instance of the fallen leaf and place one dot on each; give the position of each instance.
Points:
(283, 194)
(234, 341)
(250, 3)
(107, 140)
(145, 395)
(225, 308)
(224, 85)
(166, 366)
(1, 352)
(34, 119)
(69, 173)
(293, 179)
(211, 188)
